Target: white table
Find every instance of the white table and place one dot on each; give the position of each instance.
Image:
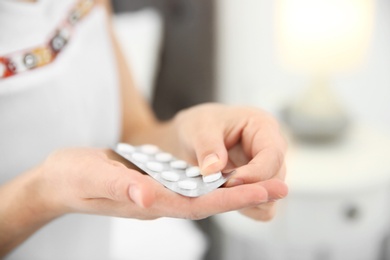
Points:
(337, 208)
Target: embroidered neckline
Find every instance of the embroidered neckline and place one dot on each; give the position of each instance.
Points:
(38, 56)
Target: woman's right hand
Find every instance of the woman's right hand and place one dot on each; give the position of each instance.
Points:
(93, 181)
(86, 180)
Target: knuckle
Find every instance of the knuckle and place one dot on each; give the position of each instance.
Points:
(194, 216)
(279, 158)
(193, 213)
(267, 212)
(263, 212)
(114, 189)
(198, 215)
(266, 217)
(204, 144)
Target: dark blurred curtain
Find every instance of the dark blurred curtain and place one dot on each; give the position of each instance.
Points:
(186, 75)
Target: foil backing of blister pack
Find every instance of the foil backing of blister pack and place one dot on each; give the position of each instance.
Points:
(148, 156)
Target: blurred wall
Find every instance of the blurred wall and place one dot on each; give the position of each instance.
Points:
(249, 72)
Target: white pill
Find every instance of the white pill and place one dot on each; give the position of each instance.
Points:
(139, 157)
(155, 166)
(125, 148)
(170, 176)
(179, 164)
(187, 184)
(149, 149)
(212, 177)
(164, 157)
(193, 171)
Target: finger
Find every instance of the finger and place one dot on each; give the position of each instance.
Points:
(265, 165)
(237, 156)
(276, 189)
(228, 199)
(210, 151)
(171, 204)
(263, 133)
(116, 182)
(264, 212)
(282, 173)
(263, 143)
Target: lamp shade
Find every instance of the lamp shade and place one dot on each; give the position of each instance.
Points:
(323, 36)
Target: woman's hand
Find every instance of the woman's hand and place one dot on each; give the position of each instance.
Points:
(219, 137)
(93, 181)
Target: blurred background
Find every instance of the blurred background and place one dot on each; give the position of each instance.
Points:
(322, 68)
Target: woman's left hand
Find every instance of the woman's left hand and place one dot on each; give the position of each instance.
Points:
(248, 140)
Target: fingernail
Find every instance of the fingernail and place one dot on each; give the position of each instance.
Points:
(135, 195)
(234, 182)
(209, 160)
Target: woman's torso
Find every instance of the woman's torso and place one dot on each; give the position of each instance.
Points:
(73, 101)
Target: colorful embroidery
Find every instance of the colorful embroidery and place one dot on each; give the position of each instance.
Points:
(18, 62)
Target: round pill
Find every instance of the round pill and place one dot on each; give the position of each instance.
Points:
(212, 177)
(179, 164)
(187, 184)
(125, 148)
(155, 166)
(170, 176)
(163, 157)
(149, 149)
(139, 157)
(193, 171)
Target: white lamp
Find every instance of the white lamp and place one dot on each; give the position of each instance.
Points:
(321, 38)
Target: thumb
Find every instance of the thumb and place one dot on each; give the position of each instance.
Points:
(210, 152)
(125, 184)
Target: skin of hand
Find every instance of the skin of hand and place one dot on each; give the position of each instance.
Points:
(96, 181)
(93, 181)
(246, 139)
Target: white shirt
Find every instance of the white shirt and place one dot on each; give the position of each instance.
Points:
(73, 101)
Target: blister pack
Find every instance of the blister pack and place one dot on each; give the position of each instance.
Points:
(177, 175)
